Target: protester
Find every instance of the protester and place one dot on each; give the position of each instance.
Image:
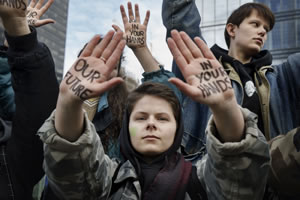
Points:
(35, 95)
(270, 91)
(75, 162)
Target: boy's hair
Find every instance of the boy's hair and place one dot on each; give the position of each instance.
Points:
(244, 11)
(154, 89)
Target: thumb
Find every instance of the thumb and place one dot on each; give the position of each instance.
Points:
(43, 22)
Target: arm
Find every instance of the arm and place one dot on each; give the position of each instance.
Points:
(89, 77)
(82, 171)
(36, 89)
(235, 170)
(207, 83)
(285, 153)
(34, 12)
(136, 37)
(181, 15)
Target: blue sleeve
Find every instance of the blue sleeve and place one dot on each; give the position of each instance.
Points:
(182, 15)
(7, 103)
(162, 76)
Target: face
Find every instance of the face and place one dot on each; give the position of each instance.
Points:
(251, 35)
(152, 126)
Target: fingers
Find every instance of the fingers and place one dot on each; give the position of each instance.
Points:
(32, 4)
(181, 46)
(123, 14)
(116, 27)
(39, 4)
(178, 57)
(116, 54)
(98, 49)
(204, 49)
(88, 50)
(137, 13)
(106, 85)
(130, 12)
(147, 18)
(46, 7)
(112, 45)
(43, 22)
(192, 47)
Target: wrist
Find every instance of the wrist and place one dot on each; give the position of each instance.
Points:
(140, 49)
(17, 26)
(67, 97)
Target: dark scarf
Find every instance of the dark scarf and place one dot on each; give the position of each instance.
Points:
(166, 177)
(247, 72)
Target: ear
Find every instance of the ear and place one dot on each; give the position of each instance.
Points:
(230, 28)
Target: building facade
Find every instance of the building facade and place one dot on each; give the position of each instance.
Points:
(282, 41)
(54, 35)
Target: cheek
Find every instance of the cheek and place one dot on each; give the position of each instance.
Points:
(132, 131)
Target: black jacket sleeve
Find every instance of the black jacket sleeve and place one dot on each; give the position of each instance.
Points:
(36, 90)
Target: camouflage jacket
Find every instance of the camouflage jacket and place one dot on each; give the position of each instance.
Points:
(81, 170)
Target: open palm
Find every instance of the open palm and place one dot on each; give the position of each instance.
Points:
(206, 80)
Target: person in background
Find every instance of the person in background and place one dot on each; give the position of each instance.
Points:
(35, 90)
(270, 91)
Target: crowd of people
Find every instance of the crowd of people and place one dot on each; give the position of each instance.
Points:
(223, 124)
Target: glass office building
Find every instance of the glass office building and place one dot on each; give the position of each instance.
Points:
(282, 41)
(54, 35)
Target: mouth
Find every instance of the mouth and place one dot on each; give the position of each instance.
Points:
(259, 40)
(150, 137)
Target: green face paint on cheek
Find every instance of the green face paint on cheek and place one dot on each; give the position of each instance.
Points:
(132, 131)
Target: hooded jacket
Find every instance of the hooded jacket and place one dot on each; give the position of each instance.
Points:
(81, 170)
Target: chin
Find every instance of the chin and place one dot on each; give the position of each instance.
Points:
(254, 50)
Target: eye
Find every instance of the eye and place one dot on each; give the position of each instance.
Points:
(140, 118)
(255, 24)
(163, 118)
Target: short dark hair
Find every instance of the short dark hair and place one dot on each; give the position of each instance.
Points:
(154, 89)
(244, 11)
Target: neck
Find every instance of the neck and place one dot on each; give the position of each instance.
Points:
(239, 55)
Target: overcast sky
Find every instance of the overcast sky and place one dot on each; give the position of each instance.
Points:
(89, 17)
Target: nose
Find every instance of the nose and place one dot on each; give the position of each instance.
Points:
(151, 124)
(262, 31)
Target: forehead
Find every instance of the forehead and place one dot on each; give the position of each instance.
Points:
(152, 104)
(257, 16)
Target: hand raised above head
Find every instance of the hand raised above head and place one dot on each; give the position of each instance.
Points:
(13, 9)
(36, 10)
(135, 32)
(90, 75)
(207, 82)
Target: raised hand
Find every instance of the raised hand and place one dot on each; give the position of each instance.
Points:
(207, 82)
(36, 10)
(90, 75)
(13, 15)
(135, 32)
(13, 9)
